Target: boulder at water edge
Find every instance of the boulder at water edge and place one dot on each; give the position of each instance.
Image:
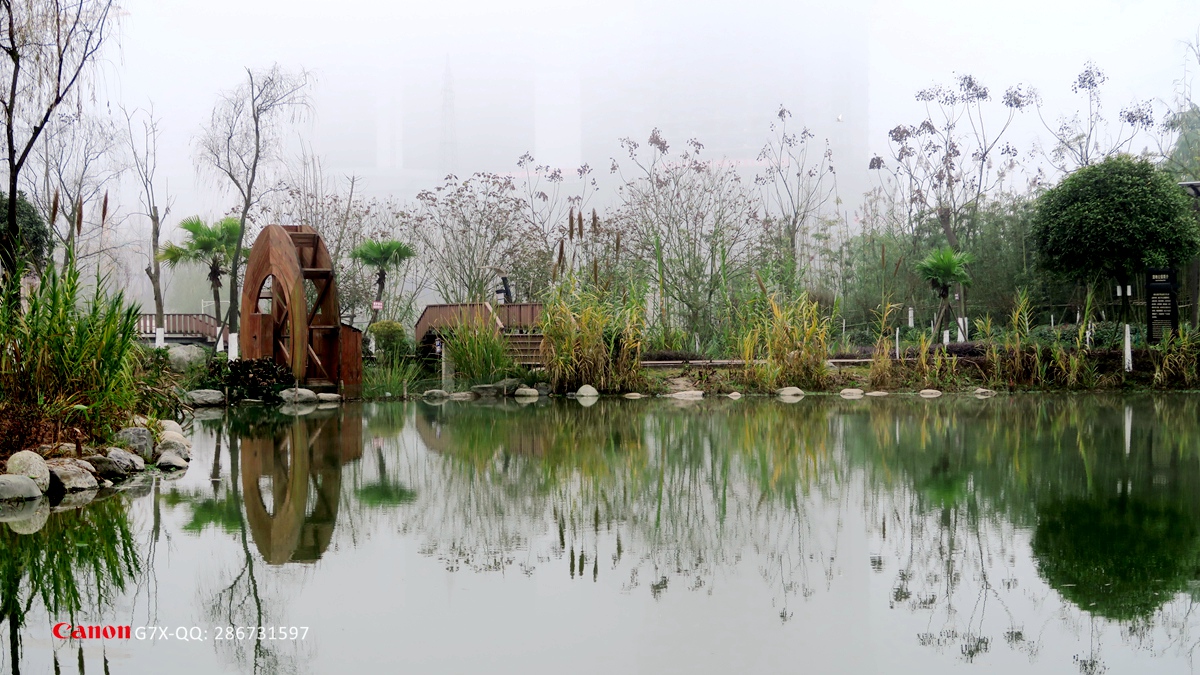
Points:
(329, 398)
(206, 397)
(18, 488)
(508, 386)
(169, 461)
(107, 468)
(586, 391)
(174, 436)
(170, 425)
(633, 395)
(735, 395)
(930, 393)
(138, 441)
(31, 518)
(877, 393)
(72, 475)
(15, 511)
(435, 393)
(789, 391)
(463, 396)
(526, 392)
(299, 395)
(173, 446)
(182, 356)
(851, 393)
(487, 390)
(688, 395)
(126, 460)
(984, 393)
(30, 464)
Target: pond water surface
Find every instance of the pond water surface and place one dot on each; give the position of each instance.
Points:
(1044, 534)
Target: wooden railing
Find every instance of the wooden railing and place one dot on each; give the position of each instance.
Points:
(180, 326)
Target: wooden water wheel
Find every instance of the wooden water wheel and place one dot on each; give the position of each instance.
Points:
(290, 309)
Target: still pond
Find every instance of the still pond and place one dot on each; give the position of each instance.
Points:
(1028, 533)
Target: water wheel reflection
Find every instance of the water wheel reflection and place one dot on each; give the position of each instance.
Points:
(291, 483)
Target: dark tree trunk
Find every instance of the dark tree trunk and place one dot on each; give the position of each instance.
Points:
(153, 270)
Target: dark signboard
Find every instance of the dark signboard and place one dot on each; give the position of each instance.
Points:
(1162, 305)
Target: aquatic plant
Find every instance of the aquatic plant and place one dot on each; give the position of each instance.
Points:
(590, 337)
(787, 345)
(392, 379)
(882, 373)
(1177, 359)
(67, 359)
(478, 350)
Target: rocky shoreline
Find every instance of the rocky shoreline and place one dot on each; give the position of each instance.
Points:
(65, 476)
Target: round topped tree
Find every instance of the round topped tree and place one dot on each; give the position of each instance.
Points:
(1113, 220)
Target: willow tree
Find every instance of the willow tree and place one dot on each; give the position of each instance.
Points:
(49, 48)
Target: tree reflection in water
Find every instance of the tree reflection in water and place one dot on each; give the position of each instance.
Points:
(656, 492)
(282, 496)
(73, 566)
(966, 490)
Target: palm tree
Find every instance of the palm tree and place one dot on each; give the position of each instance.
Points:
(211, 245)
(943, 268)
(381, 255)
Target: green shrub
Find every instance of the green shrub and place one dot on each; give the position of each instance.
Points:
(391, 342)
(259, 379)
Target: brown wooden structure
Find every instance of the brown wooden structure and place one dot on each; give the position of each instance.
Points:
(199, 327)
(293, 518)
(290, 311)
(518, 322)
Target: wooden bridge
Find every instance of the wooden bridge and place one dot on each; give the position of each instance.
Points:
(180, 327)
(517, 322)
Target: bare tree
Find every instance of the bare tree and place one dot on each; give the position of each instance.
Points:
(50, 46)
(1083, 140)
(144, 154)
(550, 197)
(798, 185)
(692, 223)
(343, 217)
(75, 162)
(243, 137)
(466, 231)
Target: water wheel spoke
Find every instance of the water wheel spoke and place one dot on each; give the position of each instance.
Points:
(312, 354)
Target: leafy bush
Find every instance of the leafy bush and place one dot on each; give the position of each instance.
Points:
(259, 379)
(391, 342)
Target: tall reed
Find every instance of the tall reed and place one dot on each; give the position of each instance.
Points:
(590, 337)
(786, 345)
(478, 350)
(67, 359)
(883, 374)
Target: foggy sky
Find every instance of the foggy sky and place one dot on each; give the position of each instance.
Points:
(565, 80)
